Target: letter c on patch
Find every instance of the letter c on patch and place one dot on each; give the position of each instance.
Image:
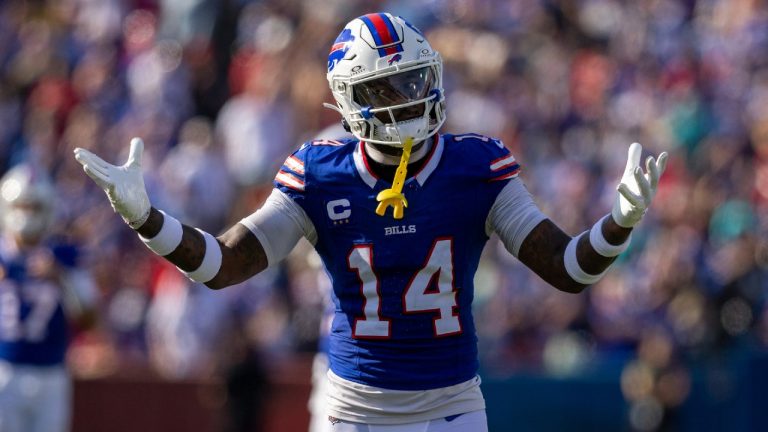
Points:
(339, 209)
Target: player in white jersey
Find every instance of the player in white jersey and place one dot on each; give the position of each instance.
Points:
(402, 348)
(42, 292)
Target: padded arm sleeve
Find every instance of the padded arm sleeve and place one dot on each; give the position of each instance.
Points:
(279, 224)
(513, 215)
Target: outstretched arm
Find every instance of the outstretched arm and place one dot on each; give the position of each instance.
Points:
(233, 257)
(573, 263)
(242, 255)
(543, 251)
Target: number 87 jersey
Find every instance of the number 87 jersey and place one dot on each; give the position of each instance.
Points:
(402, 288)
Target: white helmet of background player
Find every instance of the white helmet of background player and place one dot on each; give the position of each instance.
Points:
(26, 202)
(387, 80)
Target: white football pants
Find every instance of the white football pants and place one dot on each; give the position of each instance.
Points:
(34, 398)
(474, 421)
(319, 422)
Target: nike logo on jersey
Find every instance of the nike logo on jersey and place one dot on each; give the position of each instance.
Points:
(400, 229)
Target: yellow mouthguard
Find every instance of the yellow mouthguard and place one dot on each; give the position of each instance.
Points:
(394, 196)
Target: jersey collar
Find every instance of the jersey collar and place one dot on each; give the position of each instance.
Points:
(361, 163)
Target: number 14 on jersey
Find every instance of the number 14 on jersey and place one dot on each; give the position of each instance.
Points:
(417, 296)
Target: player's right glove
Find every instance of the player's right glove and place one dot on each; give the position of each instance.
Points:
(124, 185)
(637, 189)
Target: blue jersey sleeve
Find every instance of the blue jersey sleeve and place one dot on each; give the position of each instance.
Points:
(491, 160)
(292, 177)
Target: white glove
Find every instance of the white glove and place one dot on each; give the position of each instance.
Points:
(637, 189)
(124, 185)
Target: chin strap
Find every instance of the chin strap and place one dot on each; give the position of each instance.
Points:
(394, 196)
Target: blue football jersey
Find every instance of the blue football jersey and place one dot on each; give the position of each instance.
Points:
(33, 328)
(402, 289)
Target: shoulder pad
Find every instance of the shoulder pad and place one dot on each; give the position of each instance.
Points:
(292, 172)
(476, 137)
(328, 142)
(493, 158)
(324, 142)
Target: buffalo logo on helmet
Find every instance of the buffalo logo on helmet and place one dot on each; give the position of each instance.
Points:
(340, 47)
(395, 58)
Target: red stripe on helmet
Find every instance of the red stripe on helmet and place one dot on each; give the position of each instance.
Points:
(382, 29)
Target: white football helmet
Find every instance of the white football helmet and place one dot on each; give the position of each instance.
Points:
(387, 80)
(26, 201)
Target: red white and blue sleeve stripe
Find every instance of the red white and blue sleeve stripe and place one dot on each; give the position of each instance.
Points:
(503, 168)
(291, 174)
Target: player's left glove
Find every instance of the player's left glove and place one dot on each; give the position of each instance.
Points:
(637, 189)
(124, 185)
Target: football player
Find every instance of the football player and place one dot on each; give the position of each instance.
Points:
(42, 292)
(402, 349)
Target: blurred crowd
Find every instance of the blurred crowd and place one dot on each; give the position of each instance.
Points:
(222, 91)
